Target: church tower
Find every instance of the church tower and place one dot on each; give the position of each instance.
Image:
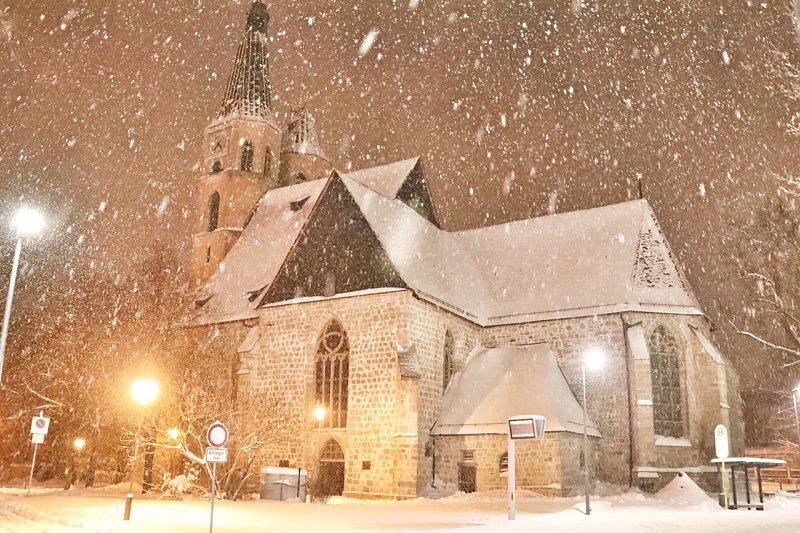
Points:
(302, 159)
(240, 152)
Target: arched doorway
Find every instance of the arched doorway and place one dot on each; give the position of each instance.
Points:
(331, 468)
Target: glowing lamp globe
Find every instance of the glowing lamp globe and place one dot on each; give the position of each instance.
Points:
(144, 391)
(594, 359)
(79, 444)
(319, 414)
(173, 433)
(27, 221)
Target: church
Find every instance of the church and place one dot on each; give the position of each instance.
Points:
(342, 290)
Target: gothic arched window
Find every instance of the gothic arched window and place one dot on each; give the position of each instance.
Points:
(333, 374)
(212, 212)
(665, 372)
(247, 157)
(449, 363)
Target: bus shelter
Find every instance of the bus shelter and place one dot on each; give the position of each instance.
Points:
(741, 465)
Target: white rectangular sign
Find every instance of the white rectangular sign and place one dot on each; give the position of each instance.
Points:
(721, 442)
(216, 455)
(40, 424)
(37, 438)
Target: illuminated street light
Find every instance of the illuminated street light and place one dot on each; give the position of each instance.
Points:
(79, 444)
(319, 414)
(173, 433)
(593, 360)
(26, 222)
(143, 392)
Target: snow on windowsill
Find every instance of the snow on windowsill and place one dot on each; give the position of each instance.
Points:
(672, 441)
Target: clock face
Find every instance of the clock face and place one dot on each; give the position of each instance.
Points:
(219, 143)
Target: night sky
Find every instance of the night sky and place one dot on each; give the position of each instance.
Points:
(517, 109)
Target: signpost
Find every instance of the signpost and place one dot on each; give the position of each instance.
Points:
(723, 451)
(520, 427)
(39, 426)
(217, 437)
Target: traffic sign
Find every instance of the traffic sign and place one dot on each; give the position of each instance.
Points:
(721, 442)
(40, 425)
(217, 435)
(216, 455)
(37, 438)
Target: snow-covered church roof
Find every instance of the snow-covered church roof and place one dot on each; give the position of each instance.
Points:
(608, 259)
(498, 383)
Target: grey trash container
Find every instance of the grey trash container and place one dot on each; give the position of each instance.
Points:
(281, 483)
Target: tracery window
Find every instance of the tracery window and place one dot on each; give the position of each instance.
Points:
(449, 364)
(333, 374)
(212, 212)
(247, 157)
(666, 379)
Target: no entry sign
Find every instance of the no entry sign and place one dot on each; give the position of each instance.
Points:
(40, 425)
(217, 435)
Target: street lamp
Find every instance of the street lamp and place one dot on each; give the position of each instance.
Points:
(795, 393)
(319, 414)
(143, 392)
(79, 444)
(173, 433)
(26, 222)
(593, 360)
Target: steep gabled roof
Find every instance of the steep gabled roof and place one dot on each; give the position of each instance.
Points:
(603, 260)
(498, 383)
(570, 264)
(255, 259)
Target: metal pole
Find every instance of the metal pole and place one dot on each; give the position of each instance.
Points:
(129, 497)
(33, 462)
(9, 298)
(512, 479)
(585, 442)
(796, 419)
(213, 494)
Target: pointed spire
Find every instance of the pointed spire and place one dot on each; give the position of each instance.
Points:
(248, 91)
(301, 135)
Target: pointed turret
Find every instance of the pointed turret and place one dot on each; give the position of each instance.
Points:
(248, 91)
(302, 158)
(242, 146)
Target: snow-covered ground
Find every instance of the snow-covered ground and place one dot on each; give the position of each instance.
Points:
(681, 506)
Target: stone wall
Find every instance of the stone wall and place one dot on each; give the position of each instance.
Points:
(606, 390)
(549, 466)
(710, 396)
(387, 445)
(427, 327)
(282, 363)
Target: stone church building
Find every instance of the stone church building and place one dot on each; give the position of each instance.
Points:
(342, 290)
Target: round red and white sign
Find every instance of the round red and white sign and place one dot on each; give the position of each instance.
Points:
(40, 423)
(217, 435)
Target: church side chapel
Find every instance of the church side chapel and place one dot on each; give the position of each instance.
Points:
(341, 290)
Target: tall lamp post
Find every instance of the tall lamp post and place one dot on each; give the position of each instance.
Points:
(795, 393)
(593, 360)
(26, 222)
(319, 414)
(143, 392)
